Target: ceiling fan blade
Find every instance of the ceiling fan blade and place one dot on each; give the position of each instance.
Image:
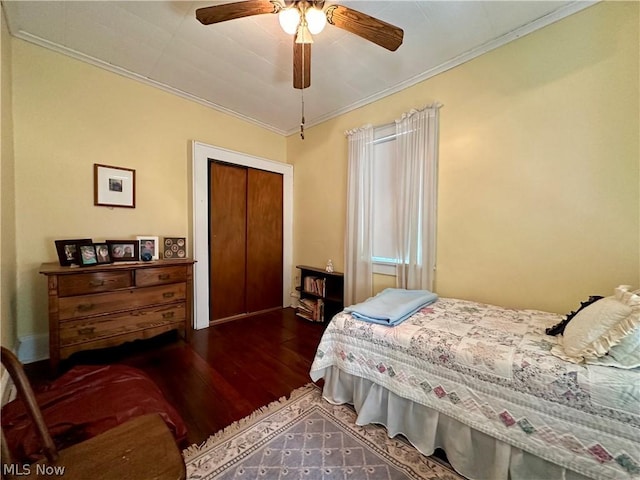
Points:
(301, 58)
(365, 26)
(231, 11)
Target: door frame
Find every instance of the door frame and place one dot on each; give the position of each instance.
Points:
(201, 155)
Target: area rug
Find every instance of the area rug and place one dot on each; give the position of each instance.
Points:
(305, 437)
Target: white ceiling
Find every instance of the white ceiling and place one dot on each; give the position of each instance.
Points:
(244, 66)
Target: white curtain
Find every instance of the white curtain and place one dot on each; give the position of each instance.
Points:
(417, 154)
(358, 268)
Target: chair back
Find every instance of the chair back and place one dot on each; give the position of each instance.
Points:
(25, 393)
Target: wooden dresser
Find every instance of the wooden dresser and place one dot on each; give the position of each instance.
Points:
(107, 305)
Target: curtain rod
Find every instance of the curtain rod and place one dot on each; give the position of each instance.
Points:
(437, 105)
(392, 136)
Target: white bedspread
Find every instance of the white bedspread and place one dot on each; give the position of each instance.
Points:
(490, 368)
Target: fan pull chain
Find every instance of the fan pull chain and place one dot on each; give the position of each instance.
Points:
(302, 120)
(302, 96)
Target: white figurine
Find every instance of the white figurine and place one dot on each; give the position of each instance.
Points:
(329, 267)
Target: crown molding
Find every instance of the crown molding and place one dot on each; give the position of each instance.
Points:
(537, 24)
(28, 37)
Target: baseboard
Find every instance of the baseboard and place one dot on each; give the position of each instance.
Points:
(295, 299)
(33, 348)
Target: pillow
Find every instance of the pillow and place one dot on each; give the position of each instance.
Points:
(558, 328)
(623, 294)
(597, 328)
(627, 353)
(624, 355)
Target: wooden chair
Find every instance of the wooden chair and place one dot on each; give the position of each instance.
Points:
(141, 448)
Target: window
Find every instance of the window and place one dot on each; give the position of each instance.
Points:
(389, 199)
(384, 200)
(391, 203)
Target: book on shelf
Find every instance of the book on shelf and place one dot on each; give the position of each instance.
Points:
(315, 285)
(311, 309)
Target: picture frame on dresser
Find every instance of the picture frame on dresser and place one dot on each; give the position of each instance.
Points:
(174, 248)
(102, 253)
(87, 255)
(123, 250)
(149, 245)
(67, 250)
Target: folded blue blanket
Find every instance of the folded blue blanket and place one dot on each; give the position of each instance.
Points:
(392, 306)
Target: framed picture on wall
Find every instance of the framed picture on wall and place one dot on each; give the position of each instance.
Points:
(114, 186)
(67, 250)
(123, 250)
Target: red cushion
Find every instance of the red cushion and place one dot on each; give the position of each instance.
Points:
(84, 402)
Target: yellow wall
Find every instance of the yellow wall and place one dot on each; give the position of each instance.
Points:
(539, 183)
(69, 115)
(8, 316)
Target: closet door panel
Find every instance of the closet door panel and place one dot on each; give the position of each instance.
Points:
(228, 231)
(264, 240)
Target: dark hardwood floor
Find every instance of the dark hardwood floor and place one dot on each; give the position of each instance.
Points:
(225, 373)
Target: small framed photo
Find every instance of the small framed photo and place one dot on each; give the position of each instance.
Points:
(67, 250)
(87, 255)
(174, 247)
(149, 246)
(114, 186)
(123, 250)
(102, 253)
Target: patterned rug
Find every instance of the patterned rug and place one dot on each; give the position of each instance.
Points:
(305, 437)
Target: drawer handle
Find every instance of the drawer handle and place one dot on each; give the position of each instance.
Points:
(168, 315)
(96, 283)
(168, 295)
(86, 330)
(164, 276)
(85, 307)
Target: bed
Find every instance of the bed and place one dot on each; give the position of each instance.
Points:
(481, 382)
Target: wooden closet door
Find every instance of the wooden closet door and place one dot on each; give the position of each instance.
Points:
(227, 239)
(264, 240)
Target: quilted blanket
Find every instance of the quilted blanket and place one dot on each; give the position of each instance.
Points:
(490, 368)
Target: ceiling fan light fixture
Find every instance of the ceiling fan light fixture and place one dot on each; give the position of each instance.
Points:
(304, 36)
(305, 18)
(289, 19)
(316, 20)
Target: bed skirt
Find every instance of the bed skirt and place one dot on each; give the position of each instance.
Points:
(473, 454)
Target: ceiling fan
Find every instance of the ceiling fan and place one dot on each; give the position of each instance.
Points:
(305, 18)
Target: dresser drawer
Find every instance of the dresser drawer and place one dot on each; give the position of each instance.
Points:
(87, 330)
(161, 275)
(90, 305)
(93, 282)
